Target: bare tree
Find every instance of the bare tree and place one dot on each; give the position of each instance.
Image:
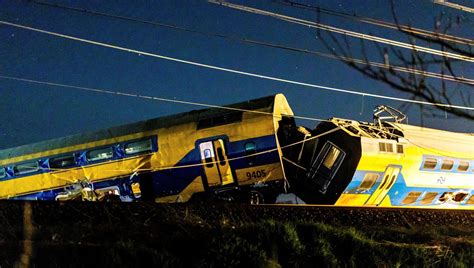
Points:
(416, 82)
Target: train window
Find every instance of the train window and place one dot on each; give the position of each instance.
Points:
(382, 147)
(430, 163)
(428, 198)
(208, 157)
(470, 201)
(459, 197)
(386, 147)
(100, 154)
(369, 181)
(325, 166)
(62, 162)
(446, 196)
(411, 198)
(331, 157)
(463, 166)
(250, 148)
(399, 148)
(143, 146)
(3, 173)
(220, 156)
(26, 168)
(447, 164)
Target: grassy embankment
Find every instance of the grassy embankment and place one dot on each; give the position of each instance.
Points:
(191, 241)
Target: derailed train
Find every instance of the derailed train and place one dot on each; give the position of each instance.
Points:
(250, 152)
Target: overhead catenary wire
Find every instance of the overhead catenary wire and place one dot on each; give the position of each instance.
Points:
(381, 23)
(266, 77)
(134, 95)
(119, 93)
(454, 5)
(333, 29)
(267, 44)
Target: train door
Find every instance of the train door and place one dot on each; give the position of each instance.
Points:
(215, 163)
(389, 178)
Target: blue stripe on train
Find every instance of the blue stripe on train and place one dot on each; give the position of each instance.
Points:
(399, 190)
(173, 181)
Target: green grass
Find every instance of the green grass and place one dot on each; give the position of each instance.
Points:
(192, 241)
(268, 244)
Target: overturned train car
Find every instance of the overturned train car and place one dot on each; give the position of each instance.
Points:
(224, 154)
(251, 152)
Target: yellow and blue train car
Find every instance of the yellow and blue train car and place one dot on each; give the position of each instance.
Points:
(248, 152)
(391, 164)
(230, 154)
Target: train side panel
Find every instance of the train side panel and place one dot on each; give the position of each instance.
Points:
(210, 152)
(408, 175)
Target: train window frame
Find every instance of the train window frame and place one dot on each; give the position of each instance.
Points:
(411, 198)
(447, 164)
(446, 196)
(208, 158)
(97, 159)
(460, 196)
(3, 173)
(323, 178)
(428, 163)
(428, 198)
(61, 157)
(146, 150)
(369, 181)
(400, 149)
(390, 148)
(465, 165)
(382, 147)
(250, 148)
(35, 168)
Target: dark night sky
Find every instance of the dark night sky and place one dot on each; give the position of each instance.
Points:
(31, 113)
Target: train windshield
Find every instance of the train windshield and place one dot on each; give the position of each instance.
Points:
(325, 166)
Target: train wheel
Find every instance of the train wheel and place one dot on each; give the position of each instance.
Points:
(256, 198)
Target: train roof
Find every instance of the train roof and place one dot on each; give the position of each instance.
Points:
(434, 140)
(451, 143)
(266, 104)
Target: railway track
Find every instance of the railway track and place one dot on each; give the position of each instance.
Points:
(91, 213)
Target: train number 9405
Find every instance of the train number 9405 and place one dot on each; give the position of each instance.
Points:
(256, 174)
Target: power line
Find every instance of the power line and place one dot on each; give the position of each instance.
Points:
(454, 5)
(267, 44)
(345, 32)
(125, 18)
(127, 94)
(381, 23)
(232, 70)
